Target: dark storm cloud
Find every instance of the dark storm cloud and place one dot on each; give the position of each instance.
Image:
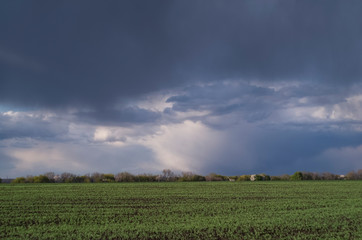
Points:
(6, 163)
(94, 53)
(21, 125)
(262, 138)
(276, 84)
(221, 99)
(296, 149)
(254, 103)
(119, 117)
(279, 151)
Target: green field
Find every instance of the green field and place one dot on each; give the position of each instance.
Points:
(194, 210)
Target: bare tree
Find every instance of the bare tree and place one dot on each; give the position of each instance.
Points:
(285, 177)
(67, 177)
(168, 175)
(50, 176)
(352, 175)
(359, 174)
(96, 177)
(329, 176)
(186, 176)
(124, 177)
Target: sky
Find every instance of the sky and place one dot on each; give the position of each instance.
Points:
(232, 87)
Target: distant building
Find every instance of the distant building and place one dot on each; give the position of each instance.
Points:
(259, 177)
(253, 177)
(57, 178)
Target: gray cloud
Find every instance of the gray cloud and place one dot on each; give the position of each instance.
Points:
(221, 98)
(279, 82)
(248, 149)
(288, 150)
(32, 125)
(256, 103)
(7, 164)
(75, 158)
(261, 137)
(101, 53)
(119, 117)
(13, 59)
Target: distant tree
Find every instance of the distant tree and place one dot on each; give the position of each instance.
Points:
(50, 176)
(352, 175)
(86, 178)
(257, 177)
(108, 178)
(29, 179)
(285, 177)
(96, 177)
(275, 178)
(297, 176)
(189, 177)
(359, 174)
(168, 175)
(19, 180)
(244, 178)
(265, 177)
(313, 176)
(316, 176)
(78, 179)
(307, 176)
(186, 176)
(146, 178)
(198, 178)
(124, 177)
(216, 177)
(329, 176)
(1, 180)
(81, 179)
(67, 177)
(233, 178)
(41, 179)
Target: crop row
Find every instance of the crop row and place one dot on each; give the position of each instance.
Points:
(210, 210)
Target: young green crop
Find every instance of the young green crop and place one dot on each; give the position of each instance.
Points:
(182, 210)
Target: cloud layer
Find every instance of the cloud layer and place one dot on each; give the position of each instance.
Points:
(230, 87)
(100, 53)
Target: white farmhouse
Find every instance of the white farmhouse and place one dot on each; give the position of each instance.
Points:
(253, 177)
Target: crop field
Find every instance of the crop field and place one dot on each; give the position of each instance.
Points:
(194, 210)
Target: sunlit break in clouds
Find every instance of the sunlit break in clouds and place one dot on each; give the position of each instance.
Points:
(232, 87)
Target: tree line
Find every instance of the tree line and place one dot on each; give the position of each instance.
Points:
(169, 176)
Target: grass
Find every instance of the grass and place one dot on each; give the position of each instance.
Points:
(194, 210)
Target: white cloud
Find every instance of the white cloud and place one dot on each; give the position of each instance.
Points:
(107, 134)
(154, 102)
(78, 158)
(193, 146)
(45, 157)
(201, 137)
(344, 111)
(185, 146)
